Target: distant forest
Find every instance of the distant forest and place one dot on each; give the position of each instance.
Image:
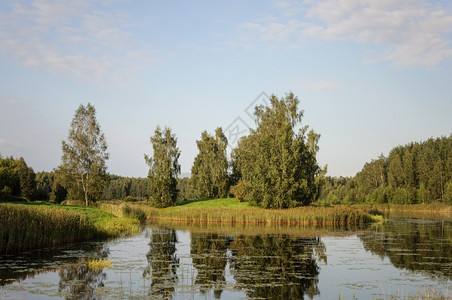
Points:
(414, 173)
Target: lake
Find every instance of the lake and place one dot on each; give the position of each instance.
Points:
(403, 257)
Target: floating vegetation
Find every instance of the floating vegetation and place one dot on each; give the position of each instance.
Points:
(98, 264)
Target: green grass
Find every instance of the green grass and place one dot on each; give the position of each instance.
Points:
(31, 225)
(229, 210)
(214, 203)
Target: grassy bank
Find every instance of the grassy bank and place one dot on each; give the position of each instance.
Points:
(231, 211)
(26, 226)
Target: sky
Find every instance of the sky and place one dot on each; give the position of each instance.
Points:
(370, 75)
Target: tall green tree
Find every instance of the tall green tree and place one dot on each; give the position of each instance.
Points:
(16, 178)
(83, 166)
(278, 165)
(27, 178)
(210, 167)
(164, 168)
(9, 178)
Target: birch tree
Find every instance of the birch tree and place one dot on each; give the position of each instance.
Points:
(83, 164)
(164, 168)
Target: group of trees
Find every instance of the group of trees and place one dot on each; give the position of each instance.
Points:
(128, 188)
(16, 178)
(273, 167)
(414, 173)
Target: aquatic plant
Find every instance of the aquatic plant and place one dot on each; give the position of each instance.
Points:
(38, 225)
(98, 264)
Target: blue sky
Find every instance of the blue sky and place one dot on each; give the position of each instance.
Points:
(370, 75)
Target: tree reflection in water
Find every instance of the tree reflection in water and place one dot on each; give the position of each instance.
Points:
(416, 245)
(277, 266)
(209, 257)
(77, 280)
(162, 263)
(264, 266)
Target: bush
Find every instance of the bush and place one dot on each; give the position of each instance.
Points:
(238, 191)
(134, 213)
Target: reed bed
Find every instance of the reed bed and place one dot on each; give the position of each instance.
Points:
(251, 215)
(434, 211)
(318, 216)
(25, 227)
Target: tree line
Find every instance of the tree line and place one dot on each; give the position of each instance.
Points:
(414, 173)
(273, 167)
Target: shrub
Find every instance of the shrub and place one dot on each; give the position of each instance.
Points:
(134, 212)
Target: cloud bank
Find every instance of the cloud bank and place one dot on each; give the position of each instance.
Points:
(408, 32)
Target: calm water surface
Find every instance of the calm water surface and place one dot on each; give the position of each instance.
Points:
(401, 258)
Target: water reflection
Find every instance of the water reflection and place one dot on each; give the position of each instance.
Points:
(29, 264)
(241, 262)
(413, 244)
(81, 281)
(209, 257)
(277, 266)
(162, 263)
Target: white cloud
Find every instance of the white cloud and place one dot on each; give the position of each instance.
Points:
(72, 37)
(413, 32)
(410, 32)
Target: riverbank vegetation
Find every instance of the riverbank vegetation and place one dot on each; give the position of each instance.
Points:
(230, 211)
(35, 225)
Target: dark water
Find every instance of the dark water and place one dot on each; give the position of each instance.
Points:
(402, 258)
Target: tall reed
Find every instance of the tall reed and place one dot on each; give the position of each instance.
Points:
(24, 227)
(339, 215)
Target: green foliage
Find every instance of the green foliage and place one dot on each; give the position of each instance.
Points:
(126, 188)
(278, 167)
(238, 191)
(210, 167)
(448, 192)
(134, 213)
(164, 168)
(44, 182)
(27, 179)
(185, 188)
(415, 173)
(16, 178)
(83, 164)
